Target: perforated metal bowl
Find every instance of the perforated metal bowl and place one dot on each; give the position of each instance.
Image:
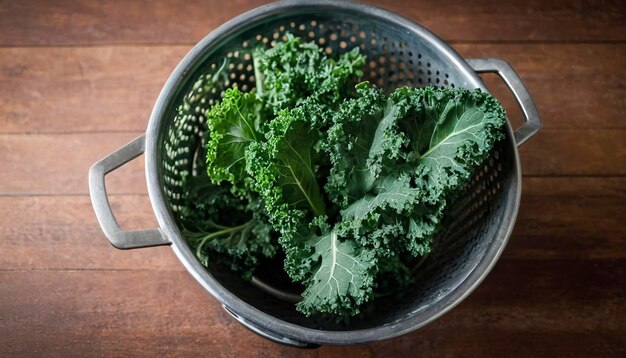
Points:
(399, 52)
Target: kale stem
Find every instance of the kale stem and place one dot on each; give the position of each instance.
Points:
(258, 75)
(219, 71)
(212, 235)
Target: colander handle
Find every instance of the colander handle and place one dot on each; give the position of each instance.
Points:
(100, 200)
(515, 84)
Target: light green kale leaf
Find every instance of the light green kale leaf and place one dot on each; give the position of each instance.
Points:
(342, 275)
(225, 229)
(451, 132)
(391, 218)
(234, 123)
(401, 210)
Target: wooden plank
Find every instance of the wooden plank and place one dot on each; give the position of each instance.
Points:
(122, 313)
(114, 88)
(90, 89)
(58, 164)
(27, 23)
(560, 218)
(569, 217)
(61, 232)
(573, 152)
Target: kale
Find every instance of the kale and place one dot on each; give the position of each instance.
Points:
(349, 182)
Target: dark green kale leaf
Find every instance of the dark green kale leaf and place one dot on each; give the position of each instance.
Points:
(293, 71)
(283, 169)
(393, 279)
(362, 139)
(338, 273)
(225, 229)
(283, 166)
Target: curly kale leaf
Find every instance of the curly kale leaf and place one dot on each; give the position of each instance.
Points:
(450, 131)
(392, 218)
(283, 169)
(342, 275)
(393, 277)
(294, 70)
(400, 210)
(234, 123)
(283, 166)
(224, 229)
(338, 273)
(362, 139)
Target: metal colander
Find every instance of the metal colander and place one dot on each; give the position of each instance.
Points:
(399, 52)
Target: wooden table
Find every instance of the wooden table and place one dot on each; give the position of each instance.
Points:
(78, 79)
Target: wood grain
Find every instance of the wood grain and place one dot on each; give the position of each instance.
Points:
(78, 79)
(28, 23)
(559, 218)
(569, 217)
(59, 163)
(84, 89)
(114, 88)
(122, 313)
(572, 152)
(61, 232)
